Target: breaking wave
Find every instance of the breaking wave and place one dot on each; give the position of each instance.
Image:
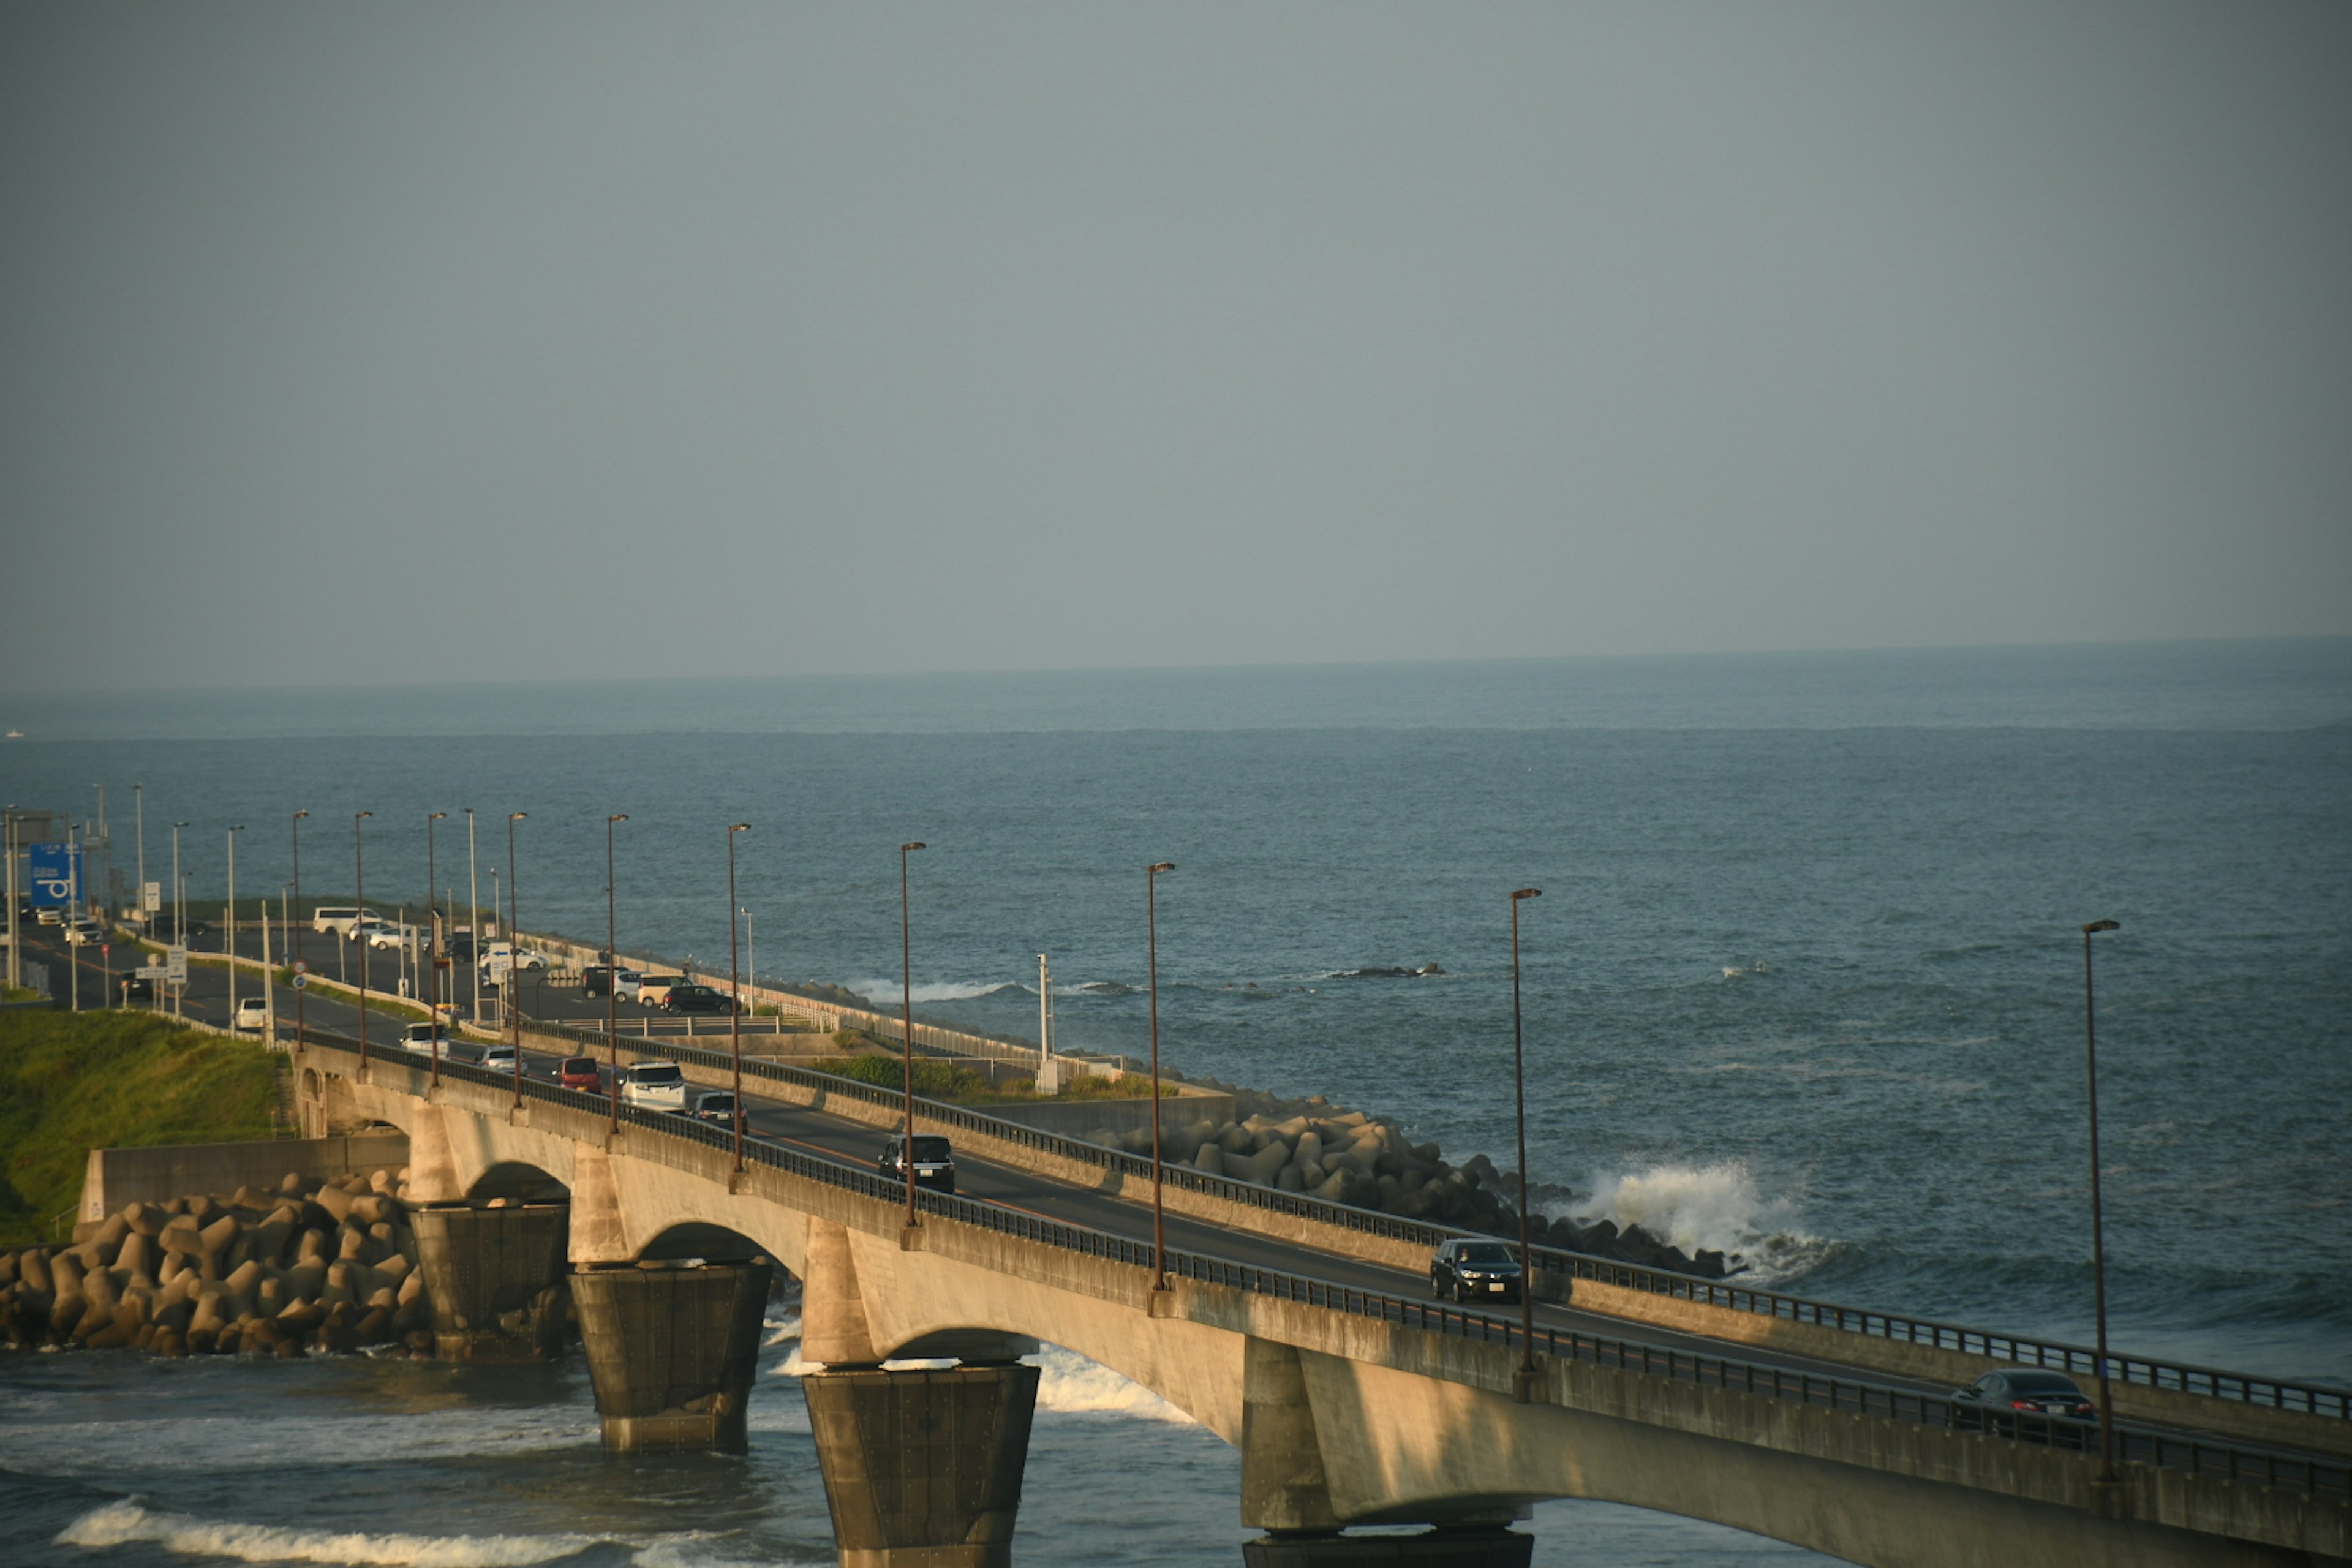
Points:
(130, 1523)
(879, 993)
(1067, 1384)
(1713, 1207)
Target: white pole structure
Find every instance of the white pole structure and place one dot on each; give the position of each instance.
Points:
(16, 970)
(73, 888)
(179, 916)
(139, 800)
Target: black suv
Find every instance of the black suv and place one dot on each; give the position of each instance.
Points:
(934, 1161)
(1472, 1271)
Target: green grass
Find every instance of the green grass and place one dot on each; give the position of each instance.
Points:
(71, 1082)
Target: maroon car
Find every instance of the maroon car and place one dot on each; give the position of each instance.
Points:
(580, 1072)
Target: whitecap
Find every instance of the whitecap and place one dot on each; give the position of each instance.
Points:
(1068, 1384)
(1714, 1208)
(129, 1522)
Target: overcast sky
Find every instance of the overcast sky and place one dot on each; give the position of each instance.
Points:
(418, 341)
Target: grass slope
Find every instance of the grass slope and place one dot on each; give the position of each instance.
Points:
(71, 1082)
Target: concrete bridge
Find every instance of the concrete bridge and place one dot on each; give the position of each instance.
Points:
(1350, 1406)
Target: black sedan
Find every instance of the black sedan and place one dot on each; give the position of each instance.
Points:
(2037, 1405)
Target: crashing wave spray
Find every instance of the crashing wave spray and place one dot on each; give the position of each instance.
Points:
(1714, 1207)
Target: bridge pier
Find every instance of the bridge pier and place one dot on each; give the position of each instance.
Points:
(1286, 1492)
(672, 1351)
(494, 1277)
(922, 1468)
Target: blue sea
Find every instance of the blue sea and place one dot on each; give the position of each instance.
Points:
(1804, 983)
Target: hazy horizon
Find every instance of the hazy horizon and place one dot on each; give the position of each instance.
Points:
(378, 345)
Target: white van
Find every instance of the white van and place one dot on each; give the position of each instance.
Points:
(499, 957)
(340, 922)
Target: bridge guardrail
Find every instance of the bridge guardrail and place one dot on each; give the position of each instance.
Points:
(2291, 1473)
(2281, 1394)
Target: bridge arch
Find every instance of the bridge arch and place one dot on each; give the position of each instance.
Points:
(517, 1180)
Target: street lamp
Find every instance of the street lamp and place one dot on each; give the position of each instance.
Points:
(432, 921)
(2098, 1241)
(228, 934)
(1520, 1097)
(359, 920)
(294, 929)
(907, 1040)
(735, 1018)
(612, 978)
(514, 956)
(473, 915)
(1151, 947)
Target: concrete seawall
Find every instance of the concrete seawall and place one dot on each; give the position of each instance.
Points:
(119, 1176)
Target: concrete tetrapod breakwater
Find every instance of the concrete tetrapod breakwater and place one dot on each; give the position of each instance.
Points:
(286, 1271)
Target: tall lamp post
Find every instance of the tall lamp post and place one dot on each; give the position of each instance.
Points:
(612, 978)
(735, 1015)
(432, 921)
(138, 807)
(1151, 969)
(906, 1039)
(514, 956)
(179, 919)
(1519, 1098)
(473, 915)
(2098, 1239)
(228, 935)
(294, 930)
(359, 878)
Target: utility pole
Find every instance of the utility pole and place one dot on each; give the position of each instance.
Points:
(474, 916)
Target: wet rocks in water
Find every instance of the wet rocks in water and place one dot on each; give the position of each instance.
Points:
(329, 1268)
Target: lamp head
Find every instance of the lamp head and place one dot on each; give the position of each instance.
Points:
(618, 817)
(741, 827)
(361, 815)
(434, 815)
(917, 845)
(2100, 926)
(1528, 893)
(517, 816)
(300, 815)
(1163, 866)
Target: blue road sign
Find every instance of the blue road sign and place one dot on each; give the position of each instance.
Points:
(56, 874)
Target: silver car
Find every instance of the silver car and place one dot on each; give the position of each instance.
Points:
(657, 1086)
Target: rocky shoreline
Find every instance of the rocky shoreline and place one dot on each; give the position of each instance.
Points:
(1310, 1147)
(285, 1273)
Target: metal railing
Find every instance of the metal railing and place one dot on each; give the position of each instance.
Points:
(2273, 1470)
(2307, 1398)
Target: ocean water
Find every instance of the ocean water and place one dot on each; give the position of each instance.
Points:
(1805, 983)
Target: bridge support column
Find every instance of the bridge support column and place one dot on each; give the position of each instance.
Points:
(922, 1470)
(494, 1277)
(1286, 1493)
(672, 1351)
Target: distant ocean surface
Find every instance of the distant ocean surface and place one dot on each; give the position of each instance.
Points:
(1804, 984)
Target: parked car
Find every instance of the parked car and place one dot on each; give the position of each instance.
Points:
(2020, 1403)
(384, 934)
(657, 1086)
(715, 1105)
(653, 990)
(581, 1073)
(596, 980)
(341, 921)
(1470, 1270)
(687, 998)
(252, 1013)
(165, 928)
(934, 1161)
(499, 1059)
(499, 957)
(460, 947)
(625, 983)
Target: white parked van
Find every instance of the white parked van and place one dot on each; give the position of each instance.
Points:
(499, 957)
(340, 922)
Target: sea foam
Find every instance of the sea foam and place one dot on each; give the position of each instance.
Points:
(1713, 1207)
(130, 1523)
